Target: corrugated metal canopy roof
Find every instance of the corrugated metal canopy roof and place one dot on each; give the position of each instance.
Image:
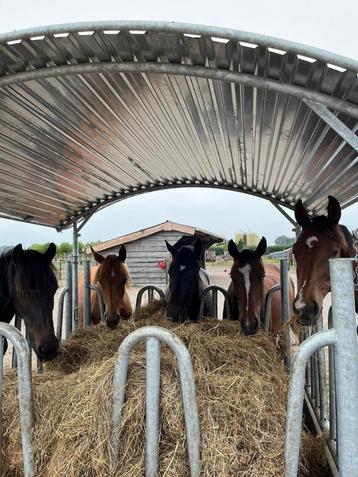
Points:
(94, 113)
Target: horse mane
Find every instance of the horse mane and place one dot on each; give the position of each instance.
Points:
(111, 262)
(30, 269)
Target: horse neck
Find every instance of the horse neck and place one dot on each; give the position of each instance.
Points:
(5, 287)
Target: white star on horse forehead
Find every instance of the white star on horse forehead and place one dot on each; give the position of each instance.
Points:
(310, 241)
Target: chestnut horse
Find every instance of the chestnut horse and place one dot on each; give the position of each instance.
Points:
(112, 277)
(321, 238)
(251, 280)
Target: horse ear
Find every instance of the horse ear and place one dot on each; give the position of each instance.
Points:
(50, 252)
(233, 250)
(198, 248)
(97, 256)
(122, 253)
(261, 248)
(171, 249)
(333, 209)
(302, 217)
(18, 253)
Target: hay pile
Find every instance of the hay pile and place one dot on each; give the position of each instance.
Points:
(241, 387)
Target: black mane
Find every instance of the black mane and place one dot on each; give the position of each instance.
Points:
(35, 269)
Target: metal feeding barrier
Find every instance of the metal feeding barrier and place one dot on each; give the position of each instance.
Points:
(340, 413)
(150, 290)
(23, 358)
(213, 291)
(154, 335)
(66, 301)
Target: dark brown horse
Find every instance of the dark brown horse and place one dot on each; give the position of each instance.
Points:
(113, 278)
(27, 288)
(251, 280)
(321, 238)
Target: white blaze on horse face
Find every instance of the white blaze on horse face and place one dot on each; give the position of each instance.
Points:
(310, 241)
(299, 303)
(113, 274)
(245, 271)
(182, 267)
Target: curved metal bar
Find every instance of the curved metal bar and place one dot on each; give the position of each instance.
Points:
(285, 308)
(100, 300)
(152, 406)
(18, 323)
(145, 188)
(215, 289)
(296, 395)
(182, 28)
(267, 307)
(61, 301)
(187, 389)
(147, 288)
(185, 70)
(25, 392)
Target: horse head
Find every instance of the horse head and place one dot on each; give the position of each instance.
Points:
(321, 238)
(32, 286)
(113, 278)
(247, 275)
(184, 299)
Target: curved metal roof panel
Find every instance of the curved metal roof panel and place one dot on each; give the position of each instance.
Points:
(94, 113)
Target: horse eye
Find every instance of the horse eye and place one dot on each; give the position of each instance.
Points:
(335, 253)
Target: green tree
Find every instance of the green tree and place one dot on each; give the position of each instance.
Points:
(40, 247)
(64, 248)
(284, 241)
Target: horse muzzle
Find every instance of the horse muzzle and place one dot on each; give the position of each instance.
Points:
(308, 315)
(47, 352)
(112, 322)
(250, 328)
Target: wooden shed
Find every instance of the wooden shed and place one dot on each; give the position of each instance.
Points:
(147, 252)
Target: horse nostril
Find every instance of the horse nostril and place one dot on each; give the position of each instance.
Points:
(315, 308)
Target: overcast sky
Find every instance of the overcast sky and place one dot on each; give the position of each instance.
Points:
(325, 24)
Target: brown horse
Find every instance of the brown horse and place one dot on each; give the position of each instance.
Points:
(112, 277)
(321, 238)
(251, 280)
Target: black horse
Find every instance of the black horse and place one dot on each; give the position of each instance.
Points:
(27, 288)
(187, 280)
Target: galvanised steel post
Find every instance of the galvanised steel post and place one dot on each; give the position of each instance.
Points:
(296, 395)
(285, 309)
(152, 406)
(267, 308)
(68, 320)
(23, 354)
(346, 364)
(76, 235)
(188, 392)
(86, 292)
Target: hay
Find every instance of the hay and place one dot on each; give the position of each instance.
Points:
(241, 387)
